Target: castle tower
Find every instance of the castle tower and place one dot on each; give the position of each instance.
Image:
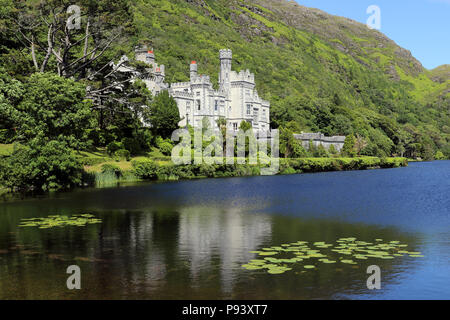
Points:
(145, 55)
(226, 57)
(194, 70)
(150, 57)
(141, 53)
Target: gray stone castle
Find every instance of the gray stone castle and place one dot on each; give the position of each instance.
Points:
(235, 100)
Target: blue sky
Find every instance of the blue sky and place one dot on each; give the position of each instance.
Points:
(421, 26)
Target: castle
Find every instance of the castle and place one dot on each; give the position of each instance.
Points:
(235, 100)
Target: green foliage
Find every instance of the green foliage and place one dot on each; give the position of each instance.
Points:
(321, 152)
(289, 146)
(122, 154)
(41, 165)
(52, 107)
(132, 145)
(349, 146)
(163, 114)
(112, 169)
(164, 145)
(146, 170)
(439, 156)
(332, 150)
(112, 147)
(245, 126)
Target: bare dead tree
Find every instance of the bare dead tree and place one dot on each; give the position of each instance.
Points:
(74, 52)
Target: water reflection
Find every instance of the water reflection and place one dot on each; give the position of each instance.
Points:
(196, 252)
(188, 240)
(226, 235)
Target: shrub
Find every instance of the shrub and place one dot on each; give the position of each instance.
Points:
(132, 145)
(146, 170)
(112, 169)
(122, 154)
(439, 156)
(206, 170)
(42, 165)
(166, 148)
(112, 147)
(7, 135)
(288, 170)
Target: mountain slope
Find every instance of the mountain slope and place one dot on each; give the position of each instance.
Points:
(320, 72)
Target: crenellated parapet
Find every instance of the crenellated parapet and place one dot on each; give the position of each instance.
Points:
(179, 85)
(320, 139)
(180, 94)
(226, 54)
(243, 76)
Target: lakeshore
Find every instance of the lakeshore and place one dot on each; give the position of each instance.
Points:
(162, 169)
(101, 170)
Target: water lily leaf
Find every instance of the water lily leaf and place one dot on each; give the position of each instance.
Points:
(268, 253)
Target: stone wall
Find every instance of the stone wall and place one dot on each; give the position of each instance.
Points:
(320, 139)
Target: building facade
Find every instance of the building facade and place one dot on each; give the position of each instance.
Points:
(156, 74)
(235, 100)
(320, 139)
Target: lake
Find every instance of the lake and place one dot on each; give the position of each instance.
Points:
(189, 239)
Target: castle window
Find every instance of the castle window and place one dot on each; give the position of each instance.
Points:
(198, 93)
(249, 107)
(199, 105)
(235, 126)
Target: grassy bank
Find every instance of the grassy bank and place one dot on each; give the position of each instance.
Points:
(6, 149)
(147, 169)
(102, 170)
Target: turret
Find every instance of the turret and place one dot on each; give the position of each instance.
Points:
(150, 57)
(226, 57)
(145, 55)
(194, 70)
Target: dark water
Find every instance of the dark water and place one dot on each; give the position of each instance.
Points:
(188, 240)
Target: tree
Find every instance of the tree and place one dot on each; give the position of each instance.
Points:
(321, 152)
(333, 150)
(349, 146)
(77, 46)
(11, 92)
(245, 126)
(360, 144)
(163, 115)
(439, 155)
(55, 108)
(289, 146)
(41, 165)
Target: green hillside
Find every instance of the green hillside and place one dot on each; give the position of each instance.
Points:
(323, 72)
(320, 72)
